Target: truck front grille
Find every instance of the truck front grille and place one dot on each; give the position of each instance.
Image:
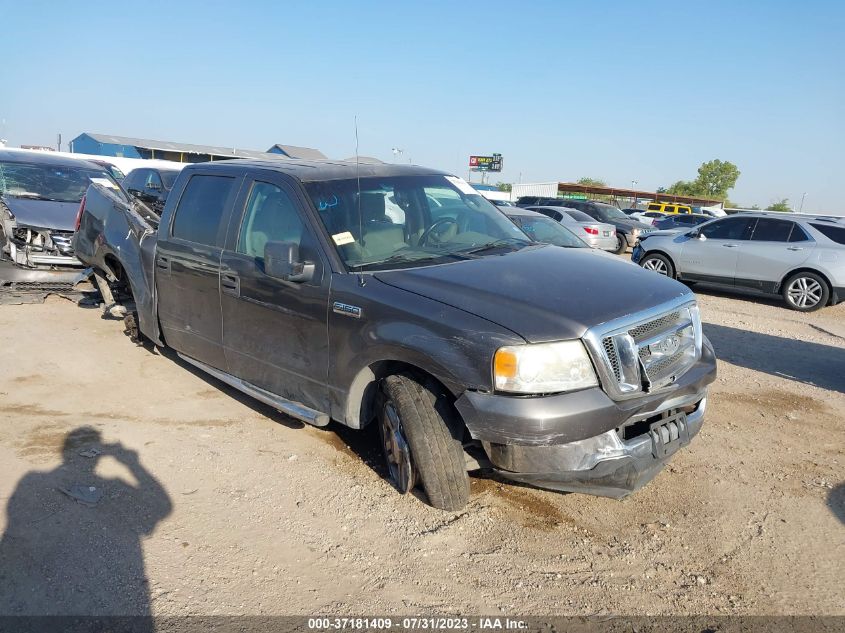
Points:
(648, 353)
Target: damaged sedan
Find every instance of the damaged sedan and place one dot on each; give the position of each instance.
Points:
(39, 200)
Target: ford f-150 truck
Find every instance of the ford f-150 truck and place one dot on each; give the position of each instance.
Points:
(397, 295)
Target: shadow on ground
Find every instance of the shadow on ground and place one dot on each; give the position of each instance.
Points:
(801, 361)
(836, 502)
(72, 543)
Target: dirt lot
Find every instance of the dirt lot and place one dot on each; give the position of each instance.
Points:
(214, 504)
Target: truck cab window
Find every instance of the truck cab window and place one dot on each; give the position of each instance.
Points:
(271, 216)
(201, 209)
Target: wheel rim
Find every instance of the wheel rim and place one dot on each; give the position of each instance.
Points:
(397, 453)
(657, 265)
(804, 292)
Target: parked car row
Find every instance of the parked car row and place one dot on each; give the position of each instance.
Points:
(800, 257)
(40, 193)
(627, 230)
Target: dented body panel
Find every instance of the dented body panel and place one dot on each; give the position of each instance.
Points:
(117, 236)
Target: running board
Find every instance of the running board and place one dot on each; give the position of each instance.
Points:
(293, 409)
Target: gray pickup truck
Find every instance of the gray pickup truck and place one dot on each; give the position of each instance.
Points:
(398, 295)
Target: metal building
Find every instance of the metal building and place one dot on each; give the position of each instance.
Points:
(130, 147)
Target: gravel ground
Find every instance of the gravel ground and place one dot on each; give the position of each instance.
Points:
(214, 504)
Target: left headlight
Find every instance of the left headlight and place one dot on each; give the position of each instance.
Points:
(543, 368)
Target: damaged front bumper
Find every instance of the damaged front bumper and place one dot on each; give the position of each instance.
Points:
(38, 255)
(606, 465)
(586, 442)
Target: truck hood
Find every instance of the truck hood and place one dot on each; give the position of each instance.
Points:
(541, 293)
(42, 214)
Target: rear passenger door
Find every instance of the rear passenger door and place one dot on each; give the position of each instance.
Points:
(776, 247)
(187, 266)
(275, 332)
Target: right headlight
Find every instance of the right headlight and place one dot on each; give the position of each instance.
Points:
(543, 368)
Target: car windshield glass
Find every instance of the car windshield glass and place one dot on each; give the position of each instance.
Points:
(579, 216)
(547, 231)
(609, 213)
(168, 178)
(58, 183)
(410, 219)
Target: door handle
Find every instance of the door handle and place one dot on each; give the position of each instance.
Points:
(230, 284)
(730, 245)
(795, 248)
(163, 262)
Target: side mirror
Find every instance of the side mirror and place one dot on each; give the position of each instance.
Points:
(281, 260)
(698, 235)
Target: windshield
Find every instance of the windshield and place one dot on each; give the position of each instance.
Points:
(610, 213)
(406, 219)
(547, 231)
(168, 178)
(115, 173)
(58, 183)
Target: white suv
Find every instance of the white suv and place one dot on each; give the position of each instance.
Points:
(800, 257)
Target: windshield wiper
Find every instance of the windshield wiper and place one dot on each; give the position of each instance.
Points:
(508, 241)
(399, 257)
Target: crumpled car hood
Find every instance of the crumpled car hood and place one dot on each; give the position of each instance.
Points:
(43, 214)
(541, 293)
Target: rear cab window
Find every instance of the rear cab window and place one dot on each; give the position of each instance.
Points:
(198, 216)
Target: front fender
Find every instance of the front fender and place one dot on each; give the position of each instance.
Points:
(405, 329)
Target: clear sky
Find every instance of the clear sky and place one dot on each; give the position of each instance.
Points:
(620, 91)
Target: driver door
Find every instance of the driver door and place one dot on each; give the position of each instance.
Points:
(713, 255)
(274, 331)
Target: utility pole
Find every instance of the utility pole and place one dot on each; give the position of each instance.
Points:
(801, 208)
(59, 142)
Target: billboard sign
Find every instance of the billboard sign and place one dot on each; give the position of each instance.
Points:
(485, 163)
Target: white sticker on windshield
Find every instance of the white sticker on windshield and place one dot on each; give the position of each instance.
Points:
(103, 182)
(462, 185)
(343, 238)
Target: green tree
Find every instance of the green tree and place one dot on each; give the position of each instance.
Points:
(504, 186)
(715, 178)
(782, 205)
(592, 182)
(683, 188)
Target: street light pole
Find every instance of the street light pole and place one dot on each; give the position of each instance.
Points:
(801, 208)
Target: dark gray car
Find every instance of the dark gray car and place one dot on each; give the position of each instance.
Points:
(398, 295)
(39, 200)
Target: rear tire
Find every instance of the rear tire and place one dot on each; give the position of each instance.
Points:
(621, 244)
(433, 433)
(659, 264)
(805, 292)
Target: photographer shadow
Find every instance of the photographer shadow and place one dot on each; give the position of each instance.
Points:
(73, 538)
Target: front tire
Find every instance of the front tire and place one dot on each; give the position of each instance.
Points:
(659, 264)
(805, 292)
(422, 440)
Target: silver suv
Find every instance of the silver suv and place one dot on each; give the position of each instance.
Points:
(800, 257)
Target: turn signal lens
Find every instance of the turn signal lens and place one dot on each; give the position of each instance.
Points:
(505, 364)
